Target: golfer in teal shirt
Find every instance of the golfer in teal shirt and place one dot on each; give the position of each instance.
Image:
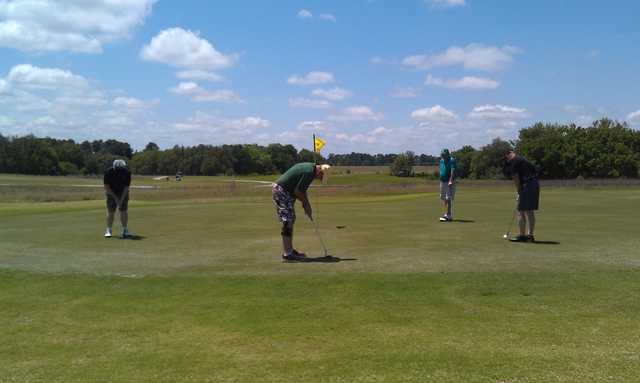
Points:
(447, 184)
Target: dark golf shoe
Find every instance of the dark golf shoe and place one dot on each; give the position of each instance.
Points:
(519, 238)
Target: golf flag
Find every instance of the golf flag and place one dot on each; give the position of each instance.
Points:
(317, 144)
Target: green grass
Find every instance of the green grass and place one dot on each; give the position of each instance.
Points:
(204, 297)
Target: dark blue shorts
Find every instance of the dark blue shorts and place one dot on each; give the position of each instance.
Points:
(529, 196)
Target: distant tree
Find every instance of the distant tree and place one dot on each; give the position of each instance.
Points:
(403, 165)
(489, 162)
(464, 157)
(151, 147)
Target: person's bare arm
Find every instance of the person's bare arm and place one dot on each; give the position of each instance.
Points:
(516, 179)
(302, 196)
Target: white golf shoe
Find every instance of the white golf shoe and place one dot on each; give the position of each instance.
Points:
(107, 234)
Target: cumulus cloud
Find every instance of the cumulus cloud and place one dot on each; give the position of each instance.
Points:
(44, 78)
(472, 56)
(305, 14)
(498, 112)
(435, 113)
(328, 17)
(308, 103)
(379, 134)
(6, 121)
(446, 3)
(357, 113)
(77, 26)
(314, 126)
(204, 127)
(335, 94)
(185, 49)
(199, 94)
(133, 103)
(635, 116)
(465, 83)
(311, 78)
(199, 75)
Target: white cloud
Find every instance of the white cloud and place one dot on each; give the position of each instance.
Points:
(435, 113)
(357, 113)
(133, 103)
(404, 93)
(185, 49)
(314, 126)
(311, 78)
(308, 103)
(4, 86)
(199, 94)
(380, 134)
(634, 116)
(446, 3)
(467, 82)
(328, 17)
(472, 56)
(45, 78)
(63, 25)
(498, 112)
(305, 14)
(335, 94)
(204, 127)
(199, 75)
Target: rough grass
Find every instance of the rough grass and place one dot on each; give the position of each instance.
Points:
(202, 296)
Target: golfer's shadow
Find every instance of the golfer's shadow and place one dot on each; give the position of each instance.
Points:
(545, 242)
(463, 221)
(133, 237)
(327, 259)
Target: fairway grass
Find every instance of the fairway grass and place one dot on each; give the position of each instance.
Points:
(201, 295)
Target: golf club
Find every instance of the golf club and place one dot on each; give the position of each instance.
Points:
(315, 227)
(513, 217)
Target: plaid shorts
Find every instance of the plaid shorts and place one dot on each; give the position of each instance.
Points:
(284, 204)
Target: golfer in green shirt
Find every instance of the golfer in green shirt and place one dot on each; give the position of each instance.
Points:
(292, 185)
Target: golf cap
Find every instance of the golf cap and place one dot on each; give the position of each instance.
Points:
(324, 169)
(445, 153)
(119, 164)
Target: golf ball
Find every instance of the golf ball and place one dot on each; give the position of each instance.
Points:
(504, 236)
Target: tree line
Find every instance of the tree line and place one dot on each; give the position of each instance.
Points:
(607, 148)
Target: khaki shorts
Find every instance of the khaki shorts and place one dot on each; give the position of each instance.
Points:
(447, 193)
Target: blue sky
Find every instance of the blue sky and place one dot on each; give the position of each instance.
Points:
(365, 75)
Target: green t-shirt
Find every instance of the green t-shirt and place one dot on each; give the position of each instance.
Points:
(299, 176)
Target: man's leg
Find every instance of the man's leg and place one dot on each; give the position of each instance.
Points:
(110, 216)
(449, 204)
(111, 212)
(531, 222)
(522, 222)
(287, 237)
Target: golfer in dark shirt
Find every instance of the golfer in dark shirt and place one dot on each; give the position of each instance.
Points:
(292, 185)
(526, 180)
(117, 180)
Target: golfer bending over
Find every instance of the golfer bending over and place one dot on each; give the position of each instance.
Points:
(292, 185)
(117, 180)
(447, 184)
(526, 180)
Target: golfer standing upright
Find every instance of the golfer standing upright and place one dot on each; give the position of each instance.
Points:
(292, 185)
(447, 184)
(525, 178)
(117, 180)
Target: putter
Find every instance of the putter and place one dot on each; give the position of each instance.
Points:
(513, 217)
(315, 227)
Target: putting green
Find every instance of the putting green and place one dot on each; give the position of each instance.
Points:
(201, 295)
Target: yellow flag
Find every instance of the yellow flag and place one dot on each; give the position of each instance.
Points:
(317, 145)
